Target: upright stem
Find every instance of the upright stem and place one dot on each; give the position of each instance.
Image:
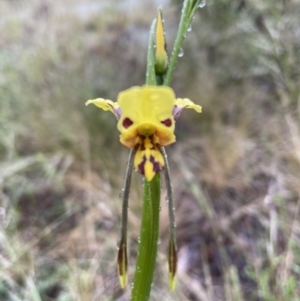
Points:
(148, 241)
(149, 234)
(188, 11)
(147, 251)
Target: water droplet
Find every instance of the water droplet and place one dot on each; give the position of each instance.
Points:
(121, 194)
(181, 52)
(2, 213)
(139, 239)
(189, 28)
(202, 4)
(159, 241)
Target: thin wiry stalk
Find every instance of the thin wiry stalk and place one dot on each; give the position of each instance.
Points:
(122, 253)
(172, 225)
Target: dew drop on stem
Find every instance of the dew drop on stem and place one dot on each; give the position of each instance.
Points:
(189, 29)
(202, 3)
(181, 52)
(121, 194)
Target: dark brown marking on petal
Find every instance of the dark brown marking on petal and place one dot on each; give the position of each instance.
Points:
(122, 257)
(156, 165)
(172, 258)
(142, 142)
(127, 123)
(141, 166)
(151, 137)
(167, 122)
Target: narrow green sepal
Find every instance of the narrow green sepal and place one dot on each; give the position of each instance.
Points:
(122, 262)
(161, 55)
(172, 263)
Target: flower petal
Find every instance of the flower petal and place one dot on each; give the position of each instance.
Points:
(182, 103)
(147, 111)
(106, 105)
(148, 158)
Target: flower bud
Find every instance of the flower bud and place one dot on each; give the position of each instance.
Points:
(161, 56)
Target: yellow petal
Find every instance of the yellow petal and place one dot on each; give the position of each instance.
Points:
(148, 158)
(147, 110)
(106, 105)
(149, 172)
(187, 103)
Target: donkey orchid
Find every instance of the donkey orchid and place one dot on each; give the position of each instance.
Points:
(146, 120)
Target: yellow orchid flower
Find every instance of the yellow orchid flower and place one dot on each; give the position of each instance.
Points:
(146, 120)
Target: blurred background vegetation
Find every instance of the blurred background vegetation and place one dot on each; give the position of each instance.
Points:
(235, 167)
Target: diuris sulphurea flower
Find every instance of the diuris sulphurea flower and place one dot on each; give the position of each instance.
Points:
(146, 120)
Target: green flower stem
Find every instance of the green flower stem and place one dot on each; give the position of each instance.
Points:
(149, 234)
(188, 12)
(148, 241)
(147, 251)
